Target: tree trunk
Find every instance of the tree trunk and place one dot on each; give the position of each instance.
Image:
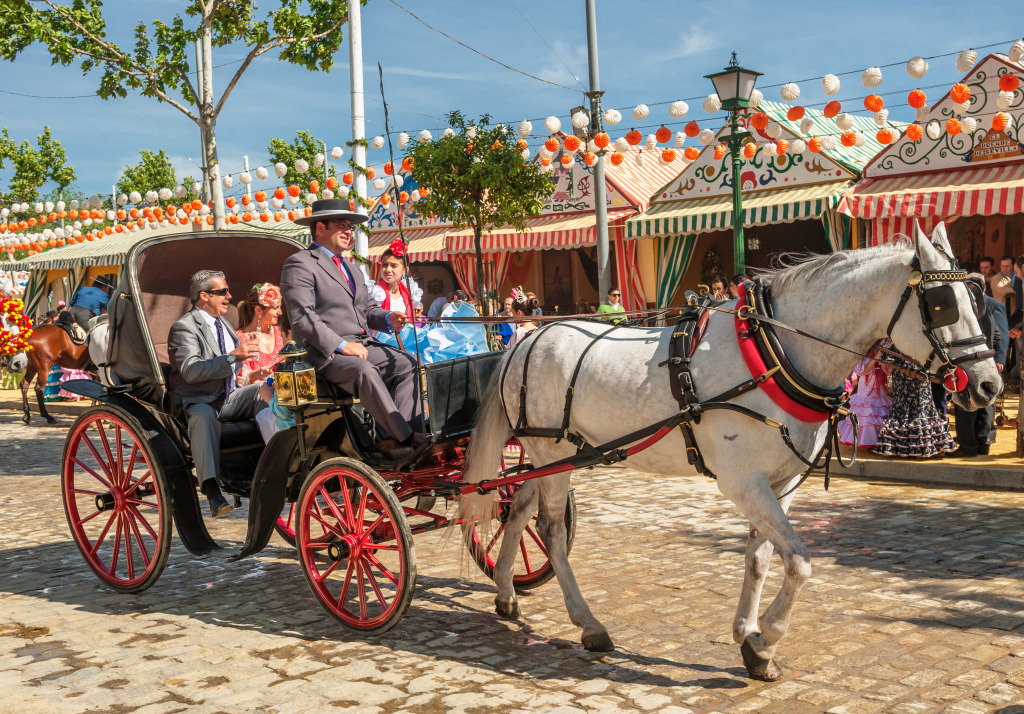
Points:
(209, 135)
(481, 289)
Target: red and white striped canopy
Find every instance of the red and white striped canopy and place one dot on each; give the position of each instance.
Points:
(559, 231)
(966, 192)
(424, 243)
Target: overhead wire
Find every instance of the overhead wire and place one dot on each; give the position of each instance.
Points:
(545, 41)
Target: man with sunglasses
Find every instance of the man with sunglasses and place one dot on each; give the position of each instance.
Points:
(206, 356)
(975, 431)
(613, 305)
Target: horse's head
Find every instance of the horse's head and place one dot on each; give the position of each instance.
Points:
(18, 362)
(936, 323)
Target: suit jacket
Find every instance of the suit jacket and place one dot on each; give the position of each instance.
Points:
(995, 329)
(323, 309)
(198, 369)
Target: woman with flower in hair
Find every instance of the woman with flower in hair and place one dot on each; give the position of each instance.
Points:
(391, 291)
(523, 307)
(258, 316)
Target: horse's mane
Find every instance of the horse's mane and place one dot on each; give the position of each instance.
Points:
(792, 269)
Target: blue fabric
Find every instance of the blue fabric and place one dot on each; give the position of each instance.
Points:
(505, 332)
(92, 299)
(445, 340)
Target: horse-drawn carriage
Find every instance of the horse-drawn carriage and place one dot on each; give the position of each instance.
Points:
(127, 469)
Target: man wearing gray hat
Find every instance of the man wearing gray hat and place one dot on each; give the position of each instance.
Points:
(331, 313)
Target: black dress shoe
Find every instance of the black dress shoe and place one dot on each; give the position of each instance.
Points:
(983, 450)
(218, 504)
(960, 453)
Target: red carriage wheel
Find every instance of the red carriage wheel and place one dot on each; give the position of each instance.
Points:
(116, 499)
(532, 567)
(355, 545)
(285, 525)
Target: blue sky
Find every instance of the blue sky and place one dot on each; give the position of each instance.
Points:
(650, 51)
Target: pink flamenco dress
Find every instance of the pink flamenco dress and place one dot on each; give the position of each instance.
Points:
(870, 403)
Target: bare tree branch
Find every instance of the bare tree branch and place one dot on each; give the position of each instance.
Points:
(253, 54)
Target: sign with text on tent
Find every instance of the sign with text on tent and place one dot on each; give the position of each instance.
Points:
(574, 189)
(996, 146)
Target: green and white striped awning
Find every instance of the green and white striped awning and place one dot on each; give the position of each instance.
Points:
(703, 215)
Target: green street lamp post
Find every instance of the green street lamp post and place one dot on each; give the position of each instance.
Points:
(734, 85)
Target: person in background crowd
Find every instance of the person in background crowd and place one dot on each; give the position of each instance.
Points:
(51, 317)
(914, 428)
(523, 306)
(439, 304)
(505, 330)
(62, 306)
(870, 402)
(976, 430)
(720, 289)
(734, 284)
(1001, 283)
(1015, 320)
(613, 304)
(537, 312)
(583, 307)
(93, 298)
(986, 266)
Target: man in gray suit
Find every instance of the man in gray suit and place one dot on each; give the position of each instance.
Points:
(205, 356)
(331, 313)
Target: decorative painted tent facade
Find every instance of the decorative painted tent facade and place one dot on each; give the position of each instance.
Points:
(973, 179)
(789, 199)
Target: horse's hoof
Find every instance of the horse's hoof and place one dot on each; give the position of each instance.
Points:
(26, 420)
(600, 642)
(507, 610)
(51, 421)
(758, 667)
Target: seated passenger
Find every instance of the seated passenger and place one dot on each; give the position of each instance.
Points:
(331, 313)
(258, 317)
(206, 356)
(391, 291)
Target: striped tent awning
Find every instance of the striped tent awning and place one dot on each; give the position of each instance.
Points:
(559, 231)
(425, 243)
(715, 214)
(971, 192)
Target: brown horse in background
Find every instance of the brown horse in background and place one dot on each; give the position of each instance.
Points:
(51, 345)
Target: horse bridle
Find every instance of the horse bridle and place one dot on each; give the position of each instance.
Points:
(939, 308)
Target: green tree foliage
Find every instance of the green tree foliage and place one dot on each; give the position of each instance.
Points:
(34, 167)
(158, 62)
(478, 179)
(153, 172)
(303, 146)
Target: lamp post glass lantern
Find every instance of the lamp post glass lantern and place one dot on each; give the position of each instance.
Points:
(734, 86)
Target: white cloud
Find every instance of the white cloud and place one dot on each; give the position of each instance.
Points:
(575, 57)
(694, 41)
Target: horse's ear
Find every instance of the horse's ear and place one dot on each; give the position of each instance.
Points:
(941, 240)
(922, 245)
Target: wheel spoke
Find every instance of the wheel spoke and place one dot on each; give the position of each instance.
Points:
(362, 590)
(348, 504)
(141, 519)
(103, 534)
(332, 505)
(121, 475)
(131, 464)
(376, 588)
(128, 546)
(382, 568)
(330, 570)
(133, 522)
(95, 475)
(106, 449)
(328, 528)
(365, 536)
(536, 539)
(145, 477)
(117, 546)
(497, 535)
(362, 508)
(89, 517)
(85, 491)
(526, 556)
(140, 502)
(344, 588)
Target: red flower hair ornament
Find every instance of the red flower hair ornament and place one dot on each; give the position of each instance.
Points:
(397, 247)
(268, 295)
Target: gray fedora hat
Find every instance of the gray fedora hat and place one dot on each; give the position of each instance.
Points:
(331, 209)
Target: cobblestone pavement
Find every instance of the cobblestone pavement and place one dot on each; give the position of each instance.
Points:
(914, 606)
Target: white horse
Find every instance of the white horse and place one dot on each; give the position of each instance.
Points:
(845, 298)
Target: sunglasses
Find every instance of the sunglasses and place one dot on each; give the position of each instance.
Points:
(222, 292)
(614, 295)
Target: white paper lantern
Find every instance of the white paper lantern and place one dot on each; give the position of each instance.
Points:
(48, 206)
(342, 191)
(934, 129)
(165, 193)
(680, 139)
(205, 210)
(641, 112)
(234, 209)
(327, 194)
(552, 124)
(301, 166)
(651, 143)
(767, 148)
(403, 140)
(640, 159)
(74, 202)
(797, 146)
(1004, 99)
(965, 61)
(970, 125)
(844, 121)
(318, 159)
(872, 77)
(612, 117)
(280, 170)
(77, 224)
(447, 132)
(378, 142)
(621, 144)
(706, 136)
(1016, 52)
(917, 67)
(861, 139)
(310, 197)
(525, 127)
(245, 177)
(806, 124)
(133, 196)
(830, 85)
(61, 205)
(228, 183)
(712, 103)
(424, 136)
(922, 113)
(262, 205)
(774, 130)
(756, 97)
(543, 152)
(262, 173)
(525, 153)
(678, 109)
(881, 116)
(581, 120)
(39, 207)
(790, 92)
(337, 152)
(399, 181)
(378, 184)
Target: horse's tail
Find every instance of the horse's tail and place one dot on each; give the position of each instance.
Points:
(485, 451)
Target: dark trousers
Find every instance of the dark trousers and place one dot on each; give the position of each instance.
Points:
(204, 422)
(385, 384)
(975, 431)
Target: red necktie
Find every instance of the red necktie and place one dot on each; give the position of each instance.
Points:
(337, 261)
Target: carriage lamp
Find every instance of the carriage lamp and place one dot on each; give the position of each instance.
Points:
(294, 380)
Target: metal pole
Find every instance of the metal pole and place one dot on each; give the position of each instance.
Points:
(355, 62)
(739, 247)
(245, 166)
(113, 202)
(202, 132)
(604, 276)
(327, 164)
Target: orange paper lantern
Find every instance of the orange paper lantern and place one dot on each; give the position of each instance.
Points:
(602, 140)
(545, 161)
(668, 155)
(245, 200)
(589, 158)
(385, 198)
(781, 147)
(294, 190)
(572, 143)
(230, 202)
(691, 153)
(370, 173)
(314, 186)
(848, 138)
(884, 136)
(260, 197)
(1000, 121)
(403, 197)
(759, 121)
(121, 214)
(423, 191)
(246, 217)
(264, 217)
(292, 215)
(197, 204)
(134, 213)
(960, 93)
(566, 159)
(521, 145)
(814, 144)
(873, 103)
(1009, 82)
(720, 151)
(407, 162)
(388, 168)
(278, 217)
(617, 158)
(914, 132)
(634, 137)
(552, 144)
(795, 113)
(832, 108)
(663, 135)
(233, 219)
(279, 193)
(750, 150)
(954, 127)
(917, 98)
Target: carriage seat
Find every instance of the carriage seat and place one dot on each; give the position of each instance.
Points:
(239, 435)
(328, 391)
